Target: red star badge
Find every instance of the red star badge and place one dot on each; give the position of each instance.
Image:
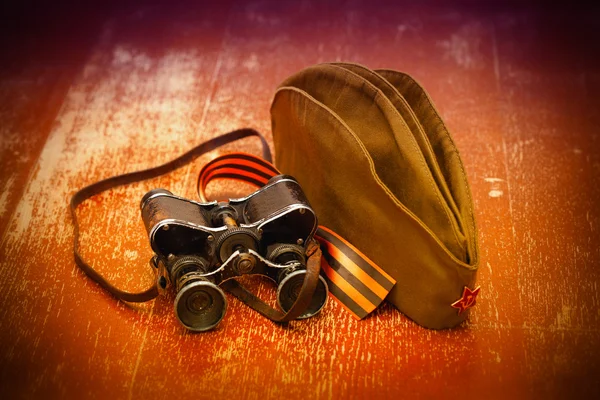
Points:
(468, 299)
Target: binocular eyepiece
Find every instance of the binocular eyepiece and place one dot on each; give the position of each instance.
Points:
(290, 280)
(289, 288)
(200, 304)
(199, 246)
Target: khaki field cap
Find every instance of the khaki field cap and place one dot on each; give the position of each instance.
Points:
(380, 169)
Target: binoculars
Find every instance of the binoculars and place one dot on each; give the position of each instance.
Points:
(198, 246)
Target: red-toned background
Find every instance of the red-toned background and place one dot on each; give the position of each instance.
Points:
(89, 91)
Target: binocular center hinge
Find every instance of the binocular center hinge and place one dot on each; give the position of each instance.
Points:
(236, 238)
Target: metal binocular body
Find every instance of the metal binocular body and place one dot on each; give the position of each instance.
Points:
(198, 246)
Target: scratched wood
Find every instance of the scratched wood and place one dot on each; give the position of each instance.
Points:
(160, 78)
(35, 74)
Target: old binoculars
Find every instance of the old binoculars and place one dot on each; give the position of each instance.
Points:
(198, 246)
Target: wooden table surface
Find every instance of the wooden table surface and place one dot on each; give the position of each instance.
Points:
(90, 92)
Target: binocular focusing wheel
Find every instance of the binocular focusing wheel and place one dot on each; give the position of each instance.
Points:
(200, 305)
(289, 289)
(233, 238)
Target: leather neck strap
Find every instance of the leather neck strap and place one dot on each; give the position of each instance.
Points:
(305, 295)
(313, 267)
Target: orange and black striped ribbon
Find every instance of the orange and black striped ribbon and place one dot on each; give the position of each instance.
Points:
(354, 280)
(238, 166)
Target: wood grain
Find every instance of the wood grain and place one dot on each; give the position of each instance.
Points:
(517, 96)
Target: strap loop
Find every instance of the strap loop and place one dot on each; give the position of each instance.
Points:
(309, 285)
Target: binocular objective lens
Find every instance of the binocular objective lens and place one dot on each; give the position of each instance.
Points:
(200, 305)
(289, 289)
